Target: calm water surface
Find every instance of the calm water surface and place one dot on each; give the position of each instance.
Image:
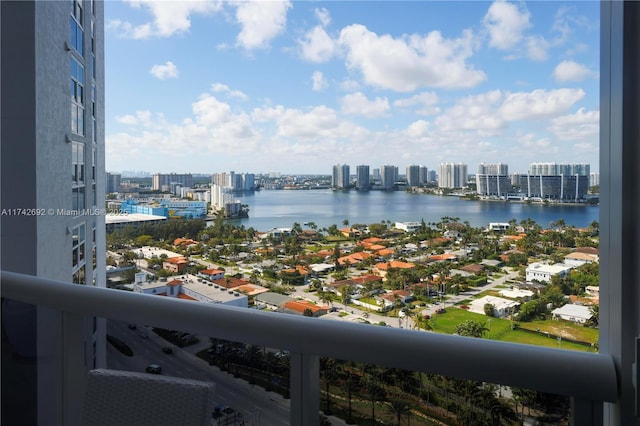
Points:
(273, 209)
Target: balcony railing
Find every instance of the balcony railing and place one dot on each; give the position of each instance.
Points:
(589, 379)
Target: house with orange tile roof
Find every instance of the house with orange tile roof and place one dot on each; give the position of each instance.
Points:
(176, 265)
(230, 282)
(350, 232)
(444, 257)
(211, 274)
(299, 307)
(385, 252)
(184, 242)
(354, 258)
(383, 268)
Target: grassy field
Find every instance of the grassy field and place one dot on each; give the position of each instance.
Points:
(500, 329)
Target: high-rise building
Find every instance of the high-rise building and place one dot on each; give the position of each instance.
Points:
(424, 175)
(413, 176)
(166, 182)
(112, 182)
(388, 176)
(493, 169)
(376, 174)
(52, 127)
(340, 176)
(362, 177)
(493, 180)
(451, 175)
(554, 169)
(555, 187)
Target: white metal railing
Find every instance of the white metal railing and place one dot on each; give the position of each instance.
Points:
(588, 378)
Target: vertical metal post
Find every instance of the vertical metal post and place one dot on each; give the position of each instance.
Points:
(586, 412)
(73, 377)
(305, 389)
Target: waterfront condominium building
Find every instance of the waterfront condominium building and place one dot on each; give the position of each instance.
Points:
(493, 169)
(340, 176)
(555, 187)
(166, 182)
(52, 127)
(413, 175)
(363, 182)
(388, 176)
(451, 175)
(554, 169)
(492, 180)
(424, 175)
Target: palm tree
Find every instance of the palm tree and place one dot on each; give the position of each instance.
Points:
(376, 392)
(329, 373)
(351, 383)
(399, 408)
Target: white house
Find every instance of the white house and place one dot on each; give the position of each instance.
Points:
(578, 258)
(501, 307)
(408, 226)
(515, 293)
(570, 312)
(543, 272)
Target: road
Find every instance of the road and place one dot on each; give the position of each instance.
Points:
(257, 406)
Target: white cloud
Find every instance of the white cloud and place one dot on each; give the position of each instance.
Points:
(261, 22)
(128, 119)
(567, 71)
(539, 103)
(317, 45)
(359, 104)
(144, 118)
(506, 24)
(323, 16)
(162, 72)
(537, 48)
(319, 83)
(425, 103)
(477, 112)
(169, 18)
(418, 129)
(223, 88)
(410, 62)
(583, 125)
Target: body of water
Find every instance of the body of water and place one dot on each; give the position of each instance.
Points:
(278, 209)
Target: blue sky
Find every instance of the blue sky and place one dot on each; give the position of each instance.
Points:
(296, 87)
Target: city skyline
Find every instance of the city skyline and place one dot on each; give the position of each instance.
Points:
(204, 86)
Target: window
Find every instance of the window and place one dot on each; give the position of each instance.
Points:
(77, 163)
(78, 250)
(77, 97)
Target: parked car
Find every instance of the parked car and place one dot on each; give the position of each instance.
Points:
(167, 350)
(144, 335)
(154, 369)
(132, 326)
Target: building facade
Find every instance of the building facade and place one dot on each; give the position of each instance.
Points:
(363, 181)
(451, 175)
(388, 177)
(555, 187)
(112, 182)
(414, 176)
(53, 127)
(166, 182)
(340, 176)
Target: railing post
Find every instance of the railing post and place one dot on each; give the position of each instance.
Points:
(586, 412)
(305, 389)
(73, 367)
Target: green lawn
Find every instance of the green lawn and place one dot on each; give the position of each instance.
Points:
(501, 329)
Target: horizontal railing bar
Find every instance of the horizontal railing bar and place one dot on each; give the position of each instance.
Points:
(582, 375)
